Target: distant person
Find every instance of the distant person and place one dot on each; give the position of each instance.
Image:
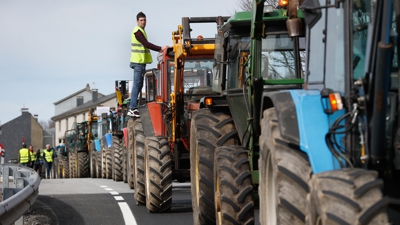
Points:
(48, 156)
(140, 56)
(38, 163)
(24, 156)
(33, 157)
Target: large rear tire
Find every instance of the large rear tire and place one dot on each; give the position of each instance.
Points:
(117, 150)
(98, 164)
(65, 171)
(284, 176)
(109, 163)
(208, 131)
(139, 180)
(93, 159)
(347, 196)
(131, 163)
(83, 164)
(158, 174)
(233, 186)
(124, 162)
(103, 159)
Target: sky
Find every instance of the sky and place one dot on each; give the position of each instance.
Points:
(50, 49)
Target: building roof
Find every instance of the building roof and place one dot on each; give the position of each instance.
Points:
(84, 107)
(87, 88)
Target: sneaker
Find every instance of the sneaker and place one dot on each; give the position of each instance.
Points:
(133, 113)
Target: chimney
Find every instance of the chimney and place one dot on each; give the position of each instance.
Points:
(24, 110)
(95, 95)
(35, 116)
(79, 100)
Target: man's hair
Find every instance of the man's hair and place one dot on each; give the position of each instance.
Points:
(24, 145)
(140, 15)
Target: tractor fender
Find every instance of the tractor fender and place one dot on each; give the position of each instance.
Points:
(125, 131)
(108, 140)
(152, 119)
(286, 112)
(303, 122)
(97, 145)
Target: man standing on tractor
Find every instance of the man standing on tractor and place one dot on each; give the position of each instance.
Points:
(48, 155)
(24, 156)
(140, 56)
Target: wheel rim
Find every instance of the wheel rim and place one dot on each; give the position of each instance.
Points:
(271, 192)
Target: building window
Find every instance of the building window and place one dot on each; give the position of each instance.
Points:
(83, 117)
(59, 125)
(66, 124)
(75, 119)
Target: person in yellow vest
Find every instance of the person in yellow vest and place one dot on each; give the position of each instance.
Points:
(140, 56)
(33, 156)
(48, 156)
(24, 157)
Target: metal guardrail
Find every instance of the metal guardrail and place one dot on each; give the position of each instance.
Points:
(18, 195)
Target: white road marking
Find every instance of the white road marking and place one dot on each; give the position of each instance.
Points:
(127, 213)
(119, 198)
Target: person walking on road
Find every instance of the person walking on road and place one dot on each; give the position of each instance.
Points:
(48, 156)
(24, 156)
(38, 163)
(33, 157)
(140, 56)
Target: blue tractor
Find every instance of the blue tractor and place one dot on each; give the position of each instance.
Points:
(331, 145)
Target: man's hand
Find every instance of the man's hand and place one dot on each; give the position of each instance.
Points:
(164, 48)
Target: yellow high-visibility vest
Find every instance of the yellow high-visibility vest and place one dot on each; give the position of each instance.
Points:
(33, 157)
(48, 155)
(23, 155)
(139, 53)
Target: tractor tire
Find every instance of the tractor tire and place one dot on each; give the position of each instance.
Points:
(109, 163)
(92, 163)
(103, 159)
(130, 154)
(284, 176)
(347, 196)
(233, 186)
(117, 151)
(65, 171)
(83, 164)
(71, 164)
(98, 164)
(158, 174)
(139, 180)
(209, 130)
(93, 159)
(59, 167)
(124, 162)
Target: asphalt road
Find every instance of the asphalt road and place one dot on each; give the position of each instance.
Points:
(101, 201)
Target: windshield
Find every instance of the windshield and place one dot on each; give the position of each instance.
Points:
(278, 58)
(198, 72)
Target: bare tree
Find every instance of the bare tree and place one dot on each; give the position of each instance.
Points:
(47, 124)
(246, 5)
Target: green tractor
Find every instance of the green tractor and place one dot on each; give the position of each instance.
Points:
(258, 52)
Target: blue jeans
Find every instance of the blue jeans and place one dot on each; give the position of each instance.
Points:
(48, 168)
(25, 164)
(138, 75)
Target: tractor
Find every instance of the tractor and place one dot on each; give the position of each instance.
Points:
(343, 124)
(259, 52)
(159, 139)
